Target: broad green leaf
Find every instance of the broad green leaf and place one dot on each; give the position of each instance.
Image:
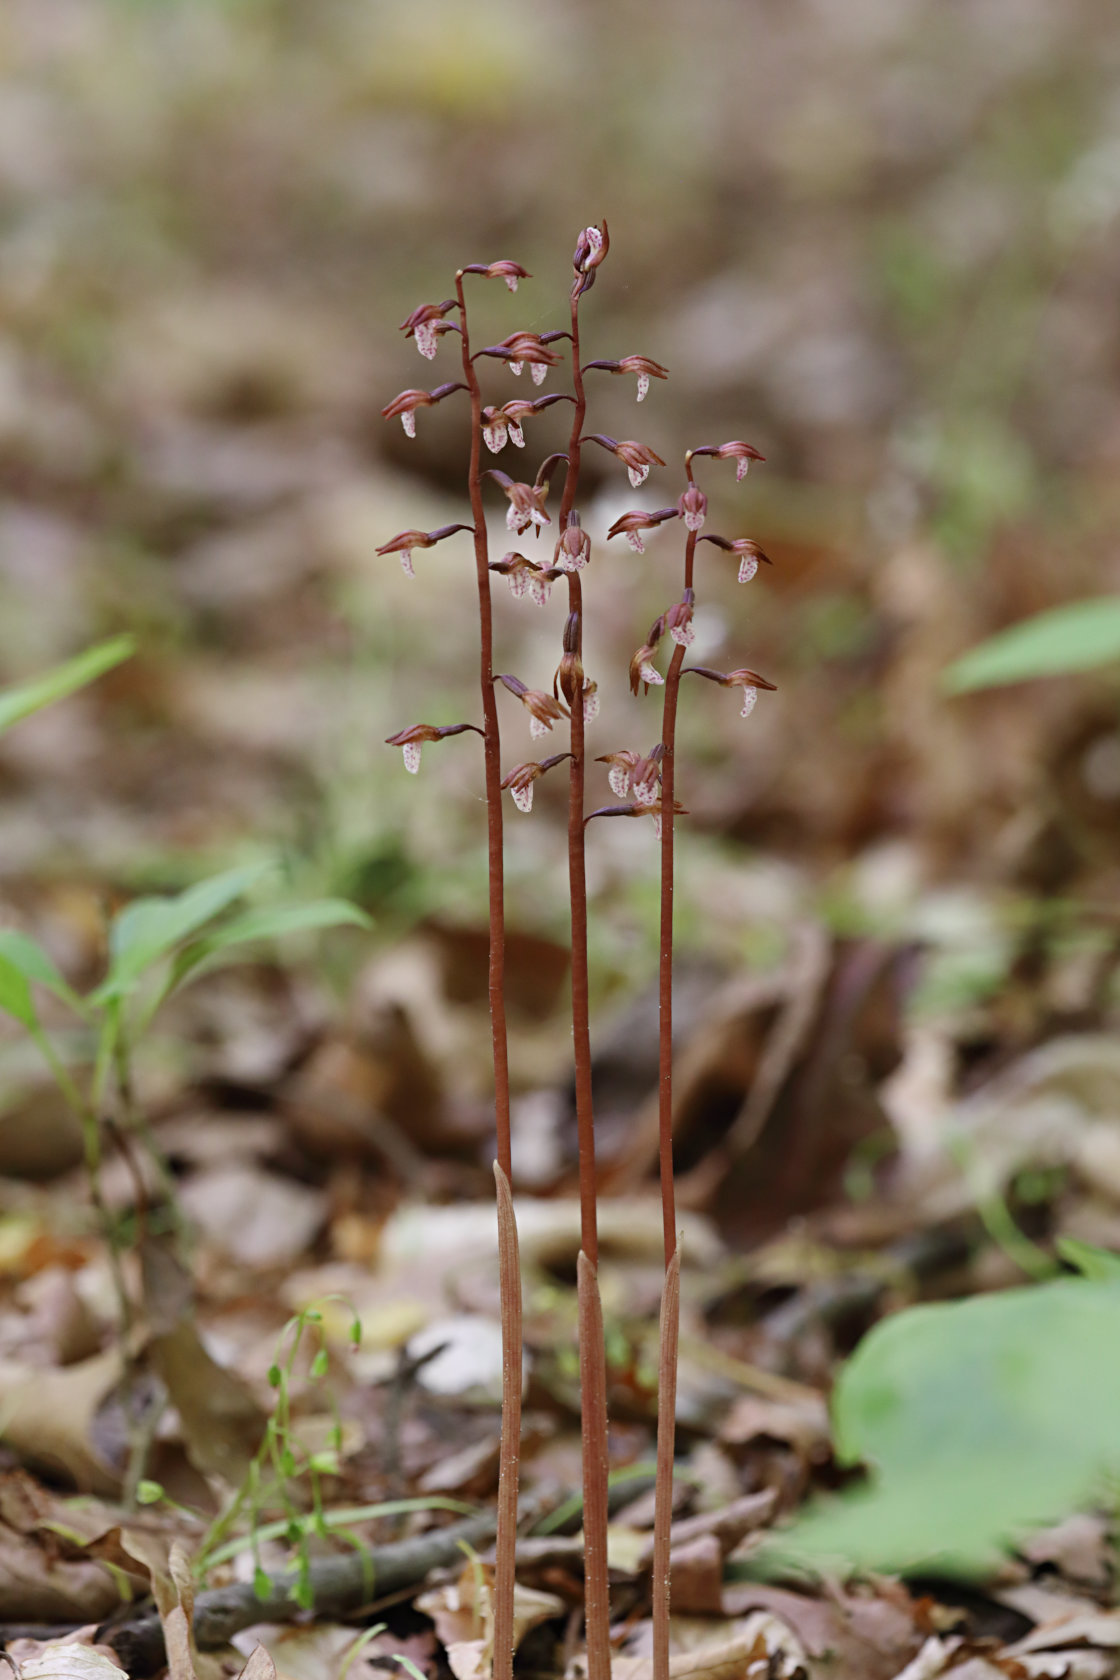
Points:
(19, 702)
(15, 993)
(34, 964)
(1077, 637)
(979, 1420)
(150, 928)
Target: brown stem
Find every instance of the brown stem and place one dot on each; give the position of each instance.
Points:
(509, 1274)
(592, 1351)
(505, 1554)
(596, 1468)
(668, 1344)
(670, 1305)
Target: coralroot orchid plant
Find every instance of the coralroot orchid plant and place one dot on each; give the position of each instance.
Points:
(645, 782)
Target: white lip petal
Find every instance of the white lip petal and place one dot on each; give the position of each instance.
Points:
(643, 385)
(634, 538)
(750, 696)
(619, 779)
(411, 750)
(523, 797)
(742, 467)
(538, 371)
(407, 567)
(638, 476)
(537, 728)
(408, 421)
(748, 566)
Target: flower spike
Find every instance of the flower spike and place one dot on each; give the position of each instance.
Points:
(405, 541)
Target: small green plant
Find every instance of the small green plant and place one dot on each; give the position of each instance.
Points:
(1080, 636)
(156, 945)
(282, 1470)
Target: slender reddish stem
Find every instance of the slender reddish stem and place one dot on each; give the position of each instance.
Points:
(665, 961)
(509, 1273)
(592, 1351)
(577, 867)
(492, 755)
(670, 1305)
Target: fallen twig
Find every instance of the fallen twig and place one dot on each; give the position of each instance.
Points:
(340, 1585)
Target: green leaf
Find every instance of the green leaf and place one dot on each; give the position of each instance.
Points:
(150, 928)
(19, 702)
(15, 993)
(34, 964)
(980, 1420)
(267, 922)
(1076, 637)
(1097, 1264)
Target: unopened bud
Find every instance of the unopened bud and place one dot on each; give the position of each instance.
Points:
(693, 507)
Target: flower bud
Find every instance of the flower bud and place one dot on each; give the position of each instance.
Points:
(573, 551)
(678, 621)
(693, 507)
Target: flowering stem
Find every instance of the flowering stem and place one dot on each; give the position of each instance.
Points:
(510, 1281)
(592, 1352)
(670, 1308)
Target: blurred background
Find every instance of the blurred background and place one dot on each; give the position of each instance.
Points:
(878, 239)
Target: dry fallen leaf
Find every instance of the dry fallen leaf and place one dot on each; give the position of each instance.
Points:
(62, 1659)
(760, 1639)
